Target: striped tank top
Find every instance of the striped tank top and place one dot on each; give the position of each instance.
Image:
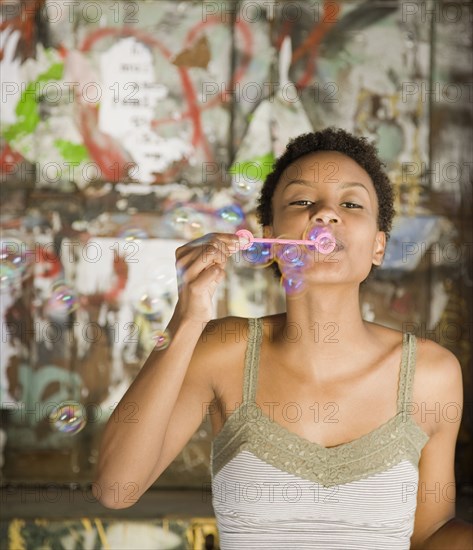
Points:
(273, 489)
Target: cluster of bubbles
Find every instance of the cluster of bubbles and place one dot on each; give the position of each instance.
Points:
(68, 417)
(62, 301)
(293, 259)
(184, 220)
(134, 233)
(15, 262)
(188, 222)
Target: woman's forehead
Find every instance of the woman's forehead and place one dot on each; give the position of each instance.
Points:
(325, 166)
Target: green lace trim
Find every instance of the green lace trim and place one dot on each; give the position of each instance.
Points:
(248, 428)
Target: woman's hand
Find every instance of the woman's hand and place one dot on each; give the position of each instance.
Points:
(200, 267)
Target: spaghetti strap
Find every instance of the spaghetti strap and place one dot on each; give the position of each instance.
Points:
(406, 375)
(250, 379)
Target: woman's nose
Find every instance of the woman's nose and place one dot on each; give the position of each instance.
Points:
(324, 215)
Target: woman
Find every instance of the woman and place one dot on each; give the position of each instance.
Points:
(323, 437)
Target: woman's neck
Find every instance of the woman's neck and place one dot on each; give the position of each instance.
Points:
(323, 327)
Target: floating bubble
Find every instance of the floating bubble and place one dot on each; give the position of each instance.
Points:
(62, 301)
(187, 222)
(15, 258)
(58, 284)
(150, 304)
(244, 186)
(68, 417)
(161, 339)
(258, 254)
(232, 214)
(293, 282)
(8, 274)
(292, 255)
(133, 234)
(163, 280)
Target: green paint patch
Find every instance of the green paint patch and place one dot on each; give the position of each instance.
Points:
(27, 110)
(74, 153)
(256, 168)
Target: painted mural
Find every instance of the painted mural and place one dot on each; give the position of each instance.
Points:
(131, 127)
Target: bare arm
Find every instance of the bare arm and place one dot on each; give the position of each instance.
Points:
(435, 525)
(169, 395)
(133, 438)
(455, 534)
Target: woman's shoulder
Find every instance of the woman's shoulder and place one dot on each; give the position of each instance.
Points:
(229, 335)
(223, 326)
(429, 354)
(440, 372)
(225, 335)
(438, 380)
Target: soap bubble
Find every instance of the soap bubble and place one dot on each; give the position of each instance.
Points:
(161, 338)
(15, 258)
(258, 254)
(244, 186)
(163, 280)
(150, 304)
(293, 255)
(8, 274)
(68, 417)
(62, 301)
(293, 282)
(187, 222)
(232, 214)
(133, 233)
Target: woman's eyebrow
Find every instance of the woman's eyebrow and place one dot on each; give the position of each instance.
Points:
(297, 181)
(344, 185)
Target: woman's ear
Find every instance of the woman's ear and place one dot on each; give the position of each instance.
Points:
(379, 247)
(267, 231)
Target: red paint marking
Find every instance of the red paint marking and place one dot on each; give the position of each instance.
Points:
(285, 31)
(240, 26)
(49, 265)
(25, 23)
(312, 42)
(62, 51)
(198, 28)
(248, 52)
(108, 155)
(9, 159)
(120, 279)
(189, 92)
(102, 147)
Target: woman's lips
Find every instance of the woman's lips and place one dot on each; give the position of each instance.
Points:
(338, 246)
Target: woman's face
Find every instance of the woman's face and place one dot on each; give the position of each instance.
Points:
(329, 188)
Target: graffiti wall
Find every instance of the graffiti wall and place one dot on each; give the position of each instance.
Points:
(131, 127)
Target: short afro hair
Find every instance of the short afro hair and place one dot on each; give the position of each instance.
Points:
(331, 139)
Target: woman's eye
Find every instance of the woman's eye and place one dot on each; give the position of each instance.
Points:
(352, 204)
(298, 202)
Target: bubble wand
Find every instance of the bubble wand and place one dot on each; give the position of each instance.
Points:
(323, 241)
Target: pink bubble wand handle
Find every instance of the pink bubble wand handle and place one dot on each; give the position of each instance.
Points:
(324, 242)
